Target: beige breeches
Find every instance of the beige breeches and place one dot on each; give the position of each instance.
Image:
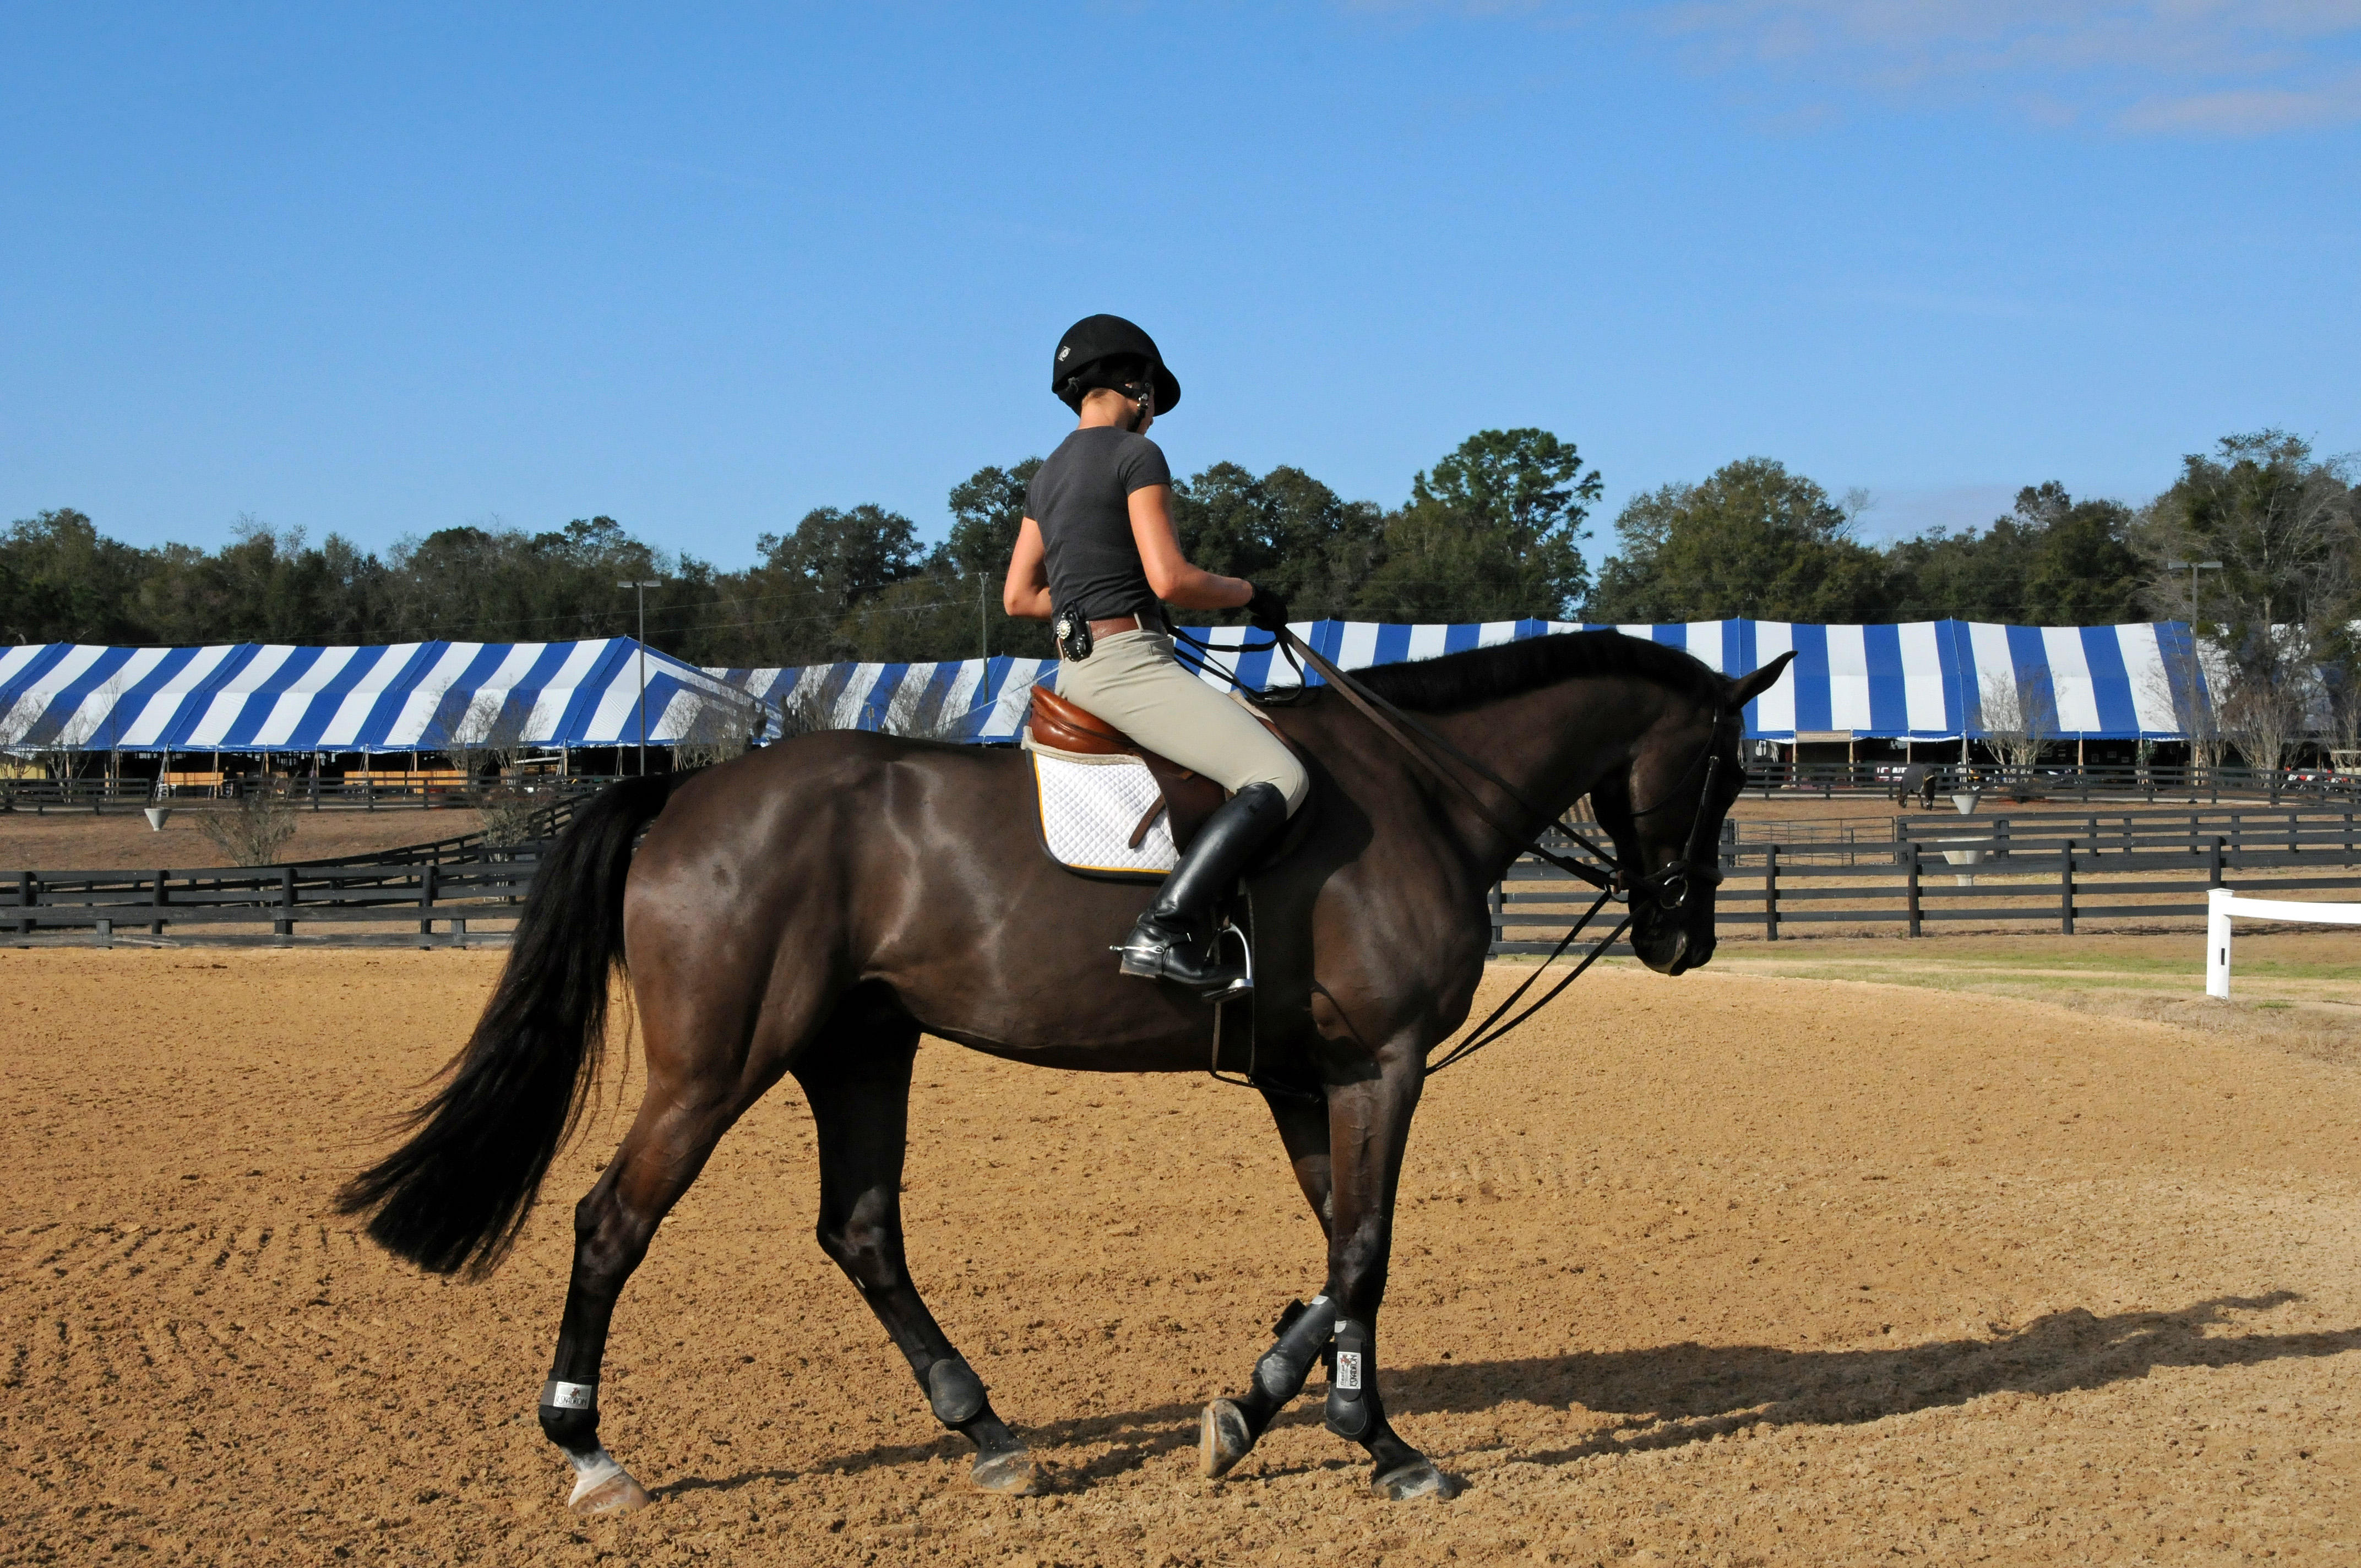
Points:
(1132, 681)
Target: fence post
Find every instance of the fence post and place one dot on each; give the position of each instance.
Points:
(2217, 944)
(106, 933)
(1499, 902)
(1913, 890)
(426, 899)
(283, 928)
(155, 927)
(2213, 870)
(2000, 840)
(2348, 835)
(2294, 846)
(1771, 892)
(2066, 889)
(28, 894)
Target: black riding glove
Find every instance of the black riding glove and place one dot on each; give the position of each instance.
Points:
(1266, 612)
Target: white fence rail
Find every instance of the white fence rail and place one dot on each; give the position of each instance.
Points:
(2222, 904)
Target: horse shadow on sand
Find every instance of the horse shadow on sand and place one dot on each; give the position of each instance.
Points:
(1669, 1394)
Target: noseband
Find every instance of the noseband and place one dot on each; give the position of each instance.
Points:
(1669, 886)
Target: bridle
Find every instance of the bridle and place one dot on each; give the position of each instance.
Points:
(1669, 887)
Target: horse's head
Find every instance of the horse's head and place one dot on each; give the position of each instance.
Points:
(1664, 813)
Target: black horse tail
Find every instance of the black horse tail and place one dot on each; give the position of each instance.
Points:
(456, 1193)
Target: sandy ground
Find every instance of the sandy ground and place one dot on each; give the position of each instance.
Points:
(80, 840)
(1736, 1269)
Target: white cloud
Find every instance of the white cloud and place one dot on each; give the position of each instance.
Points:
(2206, 67)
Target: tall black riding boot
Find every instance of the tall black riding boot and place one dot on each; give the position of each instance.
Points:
(1174, 940)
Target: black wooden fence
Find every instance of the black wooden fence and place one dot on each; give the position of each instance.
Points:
(2074, 780)
(2052, 871)
(129, 796)
(269, 903)
(2316, 828)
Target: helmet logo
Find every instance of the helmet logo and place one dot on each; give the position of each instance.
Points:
(1063, 352)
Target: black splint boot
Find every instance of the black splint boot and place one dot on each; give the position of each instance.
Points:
(1174, 940)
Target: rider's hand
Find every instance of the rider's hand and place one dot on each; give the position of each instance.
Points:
(1266, 612)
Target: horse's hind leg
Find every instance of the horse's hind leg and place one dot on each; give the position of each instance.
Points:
(674, 1132)
(857, 1079)
(708, 1060)
(1230, 1428)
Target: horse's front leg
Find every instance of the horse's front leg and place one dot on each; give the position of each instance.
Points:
(1369, 1129)
(1230, 1428)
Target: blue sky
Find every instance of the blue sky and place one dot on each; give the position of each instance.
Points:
(705, 268)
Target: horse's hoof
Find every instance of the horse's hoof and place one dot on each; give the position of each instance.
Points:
(1011, 1474)
(1222, 1439)
(617, 1494)
(1419, 1478)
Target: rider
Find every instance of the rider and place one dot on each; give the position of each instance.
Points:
(1096, 552)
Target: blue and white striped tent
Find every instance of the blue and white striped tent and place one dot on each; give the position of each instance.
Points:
(252, 697)
(1921, 681)
(1924, 680)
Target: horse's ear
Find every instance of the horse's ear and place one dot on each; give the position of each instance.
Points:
(1748, 687)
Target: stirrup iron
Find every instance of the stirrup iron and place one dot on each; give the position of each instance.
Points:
(1244, 983)
(1237, 987)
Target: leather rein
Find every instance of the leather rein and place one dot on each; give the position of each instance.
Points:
(1669, 887)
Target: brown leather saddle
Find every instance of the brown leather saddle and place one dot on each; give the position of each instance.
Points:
(1187, 797)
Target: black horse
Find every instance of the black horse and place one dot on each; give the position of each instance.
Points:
(813, 908)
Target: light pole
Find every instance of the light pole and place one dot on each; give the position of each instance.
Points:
(640, 654)
(2196, 665)
(2192, 568)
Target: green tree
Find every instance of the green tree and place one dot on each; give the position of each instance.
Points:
(954, 610)
(267, 585)
(2054, 561)
(1752, 541)
(2286, 528)
(2281, 522)
(1492, 532)
(987, 507)
(846, 555)
(479, 584)
(63, 581)
(1284, 531)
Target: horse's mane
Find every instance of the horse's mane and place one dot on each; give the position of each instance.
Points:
(1462, 680)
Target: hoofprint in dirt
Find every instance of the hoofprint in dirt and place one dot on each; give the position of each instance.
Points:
(1736, 1269)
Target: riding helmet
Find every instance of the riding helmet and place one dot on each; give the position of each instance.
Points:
(1094, 338)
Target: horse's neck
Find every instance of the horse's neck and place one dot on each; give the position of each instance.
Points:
(1555, 742)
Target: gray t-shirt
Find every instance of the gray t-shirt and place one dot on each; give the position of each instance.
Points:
(1081, 498)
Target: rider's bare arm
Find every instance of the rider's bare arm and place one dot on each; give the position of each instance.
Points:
(1026, 594)
(1170, 575)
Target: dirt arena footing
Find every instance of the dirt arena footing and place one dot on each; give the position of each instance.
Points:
(1727, 1269)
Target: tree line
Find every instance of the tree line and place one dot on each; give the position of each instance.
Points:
(1491, 530)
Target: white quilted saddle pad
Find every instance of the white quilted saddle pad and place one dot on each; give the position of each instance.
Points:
(1090, 808)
